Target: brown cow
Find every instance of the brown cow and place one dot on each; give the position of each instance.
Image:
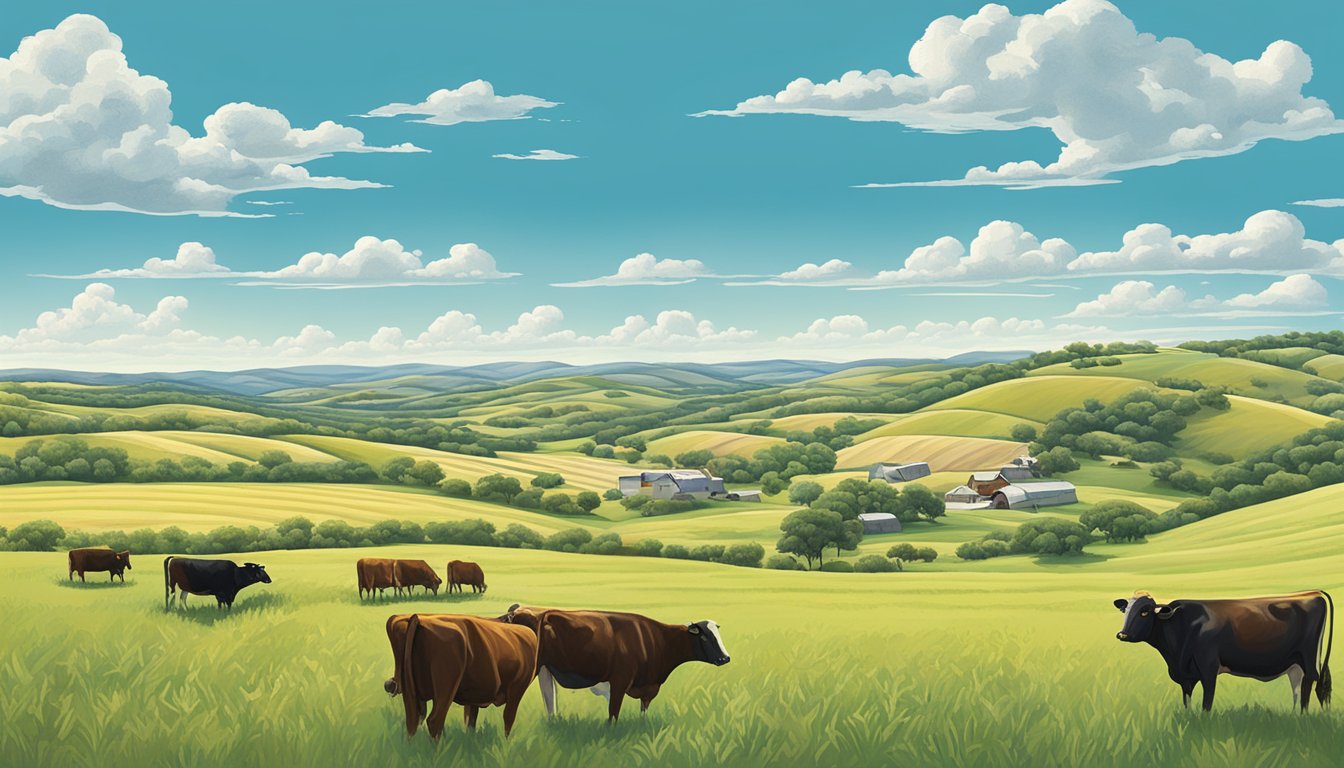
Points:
(614, 654)
(375, 574)
(463, 572)
(99, 559)
(408, 574)
(465, 660)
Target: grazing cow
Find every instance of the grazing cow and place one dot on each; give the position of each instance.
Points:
(375, 574)
(408, 574)
(462, 572)
(99, 559)
(222, 578)
(614, 654)
(1259, 637)
(463, 660)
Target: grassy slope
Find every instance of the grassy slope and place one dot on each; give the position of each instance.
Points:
(718, 443)
(1327, 366)
(1000, 663)
(1038, 398)
(942, 453)
(151, 446)
(1248, 427)
(950, 422)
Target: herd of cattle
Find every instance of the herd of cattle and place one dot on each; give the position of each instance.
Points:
(481, 662)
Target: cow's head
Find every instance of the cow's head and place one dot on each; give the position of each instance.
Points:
(256, 573)
(124, 559)
(708, 643)
(1141, 614)
(521, 616)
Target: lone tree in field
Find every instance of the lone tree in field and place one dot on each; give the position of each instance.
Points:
(497, 488)
(808, 532)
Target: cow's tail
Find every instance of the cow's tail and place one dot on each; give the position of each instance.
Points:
(167, 584)
(1323, 683)
(409, 699)
(70, 558)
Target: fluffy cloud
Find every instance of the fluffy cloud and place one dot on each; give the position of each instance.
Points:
(935, 339)
(1115, 98)
(473, 102)
(1270, 242)
(79, 128)
(1295, 294)
(538, 154)
(371, 262)
(647, 269)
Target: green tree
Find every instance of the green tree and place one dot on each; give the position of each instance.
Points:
(394, 470)
(807, 533)
(548, 480)
(1118, 520)
(805, 493)
(693, 459)
(498, 488)
(745, 555)
(920, 503)
(455, 487)
(874, 564)
(588, 501)
(1023, 433)
(36, 536)
(424, 472)
(273, 459)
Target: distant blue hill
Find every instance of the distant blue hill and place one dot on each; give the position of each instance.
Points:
(448, 378)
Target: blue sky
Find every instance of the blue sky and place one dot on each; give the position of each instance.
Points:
(755, 196)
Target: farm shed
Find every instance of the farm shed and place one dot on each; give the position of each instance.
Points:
(673, 484)
(962, 494)
(1015, 472)
(986, 483)
(899, 473)
(879, 522)
(1032, 495)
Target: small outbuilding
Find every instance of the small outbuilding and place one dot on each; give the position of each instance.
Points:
(879, 522)
(1034, 495)
(962, 494)
(689, 484)
(899, 473)
(1016, 472)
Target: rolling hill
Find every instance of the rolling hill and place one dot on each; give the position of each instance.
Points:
(717, 443)
(943, 453)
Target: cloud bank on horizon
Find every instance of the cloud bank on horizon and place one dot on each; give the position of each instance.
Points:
(1148, 101)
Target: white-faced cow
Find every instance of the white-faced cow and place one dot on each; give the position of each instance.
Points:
(614, 654)
(1260, 637)
(465, 660)
(222, 578)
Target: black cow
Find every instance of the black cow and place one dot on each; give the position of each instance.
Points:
(222, 578)
(1260, 637)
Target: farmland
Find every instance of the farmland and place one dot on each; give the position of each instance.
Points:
(1018, 650)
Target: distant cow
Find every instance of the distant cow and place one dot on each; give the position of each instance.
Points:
(614, 654)
(408, 574)
(99, 559)
(1260, 637)
(222, 578)
(463, 660)
(461, 572)
(375, 574)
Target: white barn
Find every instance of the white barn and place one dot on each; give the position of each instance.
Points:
(1033, 495)
(694, 484)
(879, 522)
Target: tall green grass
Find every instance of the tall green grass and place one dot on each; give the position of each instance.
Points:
(951, 668)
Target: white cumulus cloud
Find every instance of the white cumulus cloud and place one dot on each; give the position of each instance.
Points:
(473, 102)
(79, 128)
(1114, 97)
(1293, 295)
(647, 269)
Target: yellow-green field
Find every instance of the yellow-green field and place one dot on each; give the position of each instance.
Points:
(1006, 662)
(173, 444)
(1246, 428)
(1327, 366)
(942, 453)
(1038, 398)
(951, 422)
(717, 443)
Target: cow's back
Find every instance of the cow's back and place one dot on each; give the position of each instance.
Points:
(488, 658)
(594, 644)
(93, 559)
(1268, 624)
(375, 572)
(466, 572)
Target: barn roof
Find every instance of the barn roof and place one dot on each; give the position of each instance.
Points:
(985, 477)
(873, 517)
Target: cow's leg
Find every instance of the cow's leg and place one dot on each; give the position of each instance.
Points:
(1209, 682)
(511, 708)
(615, 693)
(647, 698)
(1294, 675)
(1307, 683)
(81, 576)
(447, 678)
(469, 713)
(546, 682)
(1187, 690)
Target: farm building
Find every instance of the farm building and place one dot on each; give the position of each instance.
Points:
(1015, 472)
(879, 522)
(689, 484)
(1033, 495)
(986, 483)
(962, 495)
(899, 473)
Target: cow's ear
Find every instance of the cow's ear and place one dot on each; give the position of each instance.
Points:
(514, 607)
(1121, 604)
(1165, 611)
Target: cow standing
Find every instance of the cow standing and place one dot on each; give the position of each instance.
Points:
(88, 559)
(222, 578)
(462, 572)
(614, 654)
(1260, 637)
(375, 574)
(408, 574)
(463, 660)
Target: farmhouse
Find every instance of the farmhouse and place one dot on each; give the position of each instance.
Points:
(899, 473)
(986, 483)
(1033, 495)
(681, 484)
(879, 522)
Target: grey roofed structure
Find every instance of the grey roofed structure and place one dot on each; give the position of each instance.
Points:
(673, 483)
(879, 522)
(1032, 495)
(1016, 472)
(961, 495)
(899, 473)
